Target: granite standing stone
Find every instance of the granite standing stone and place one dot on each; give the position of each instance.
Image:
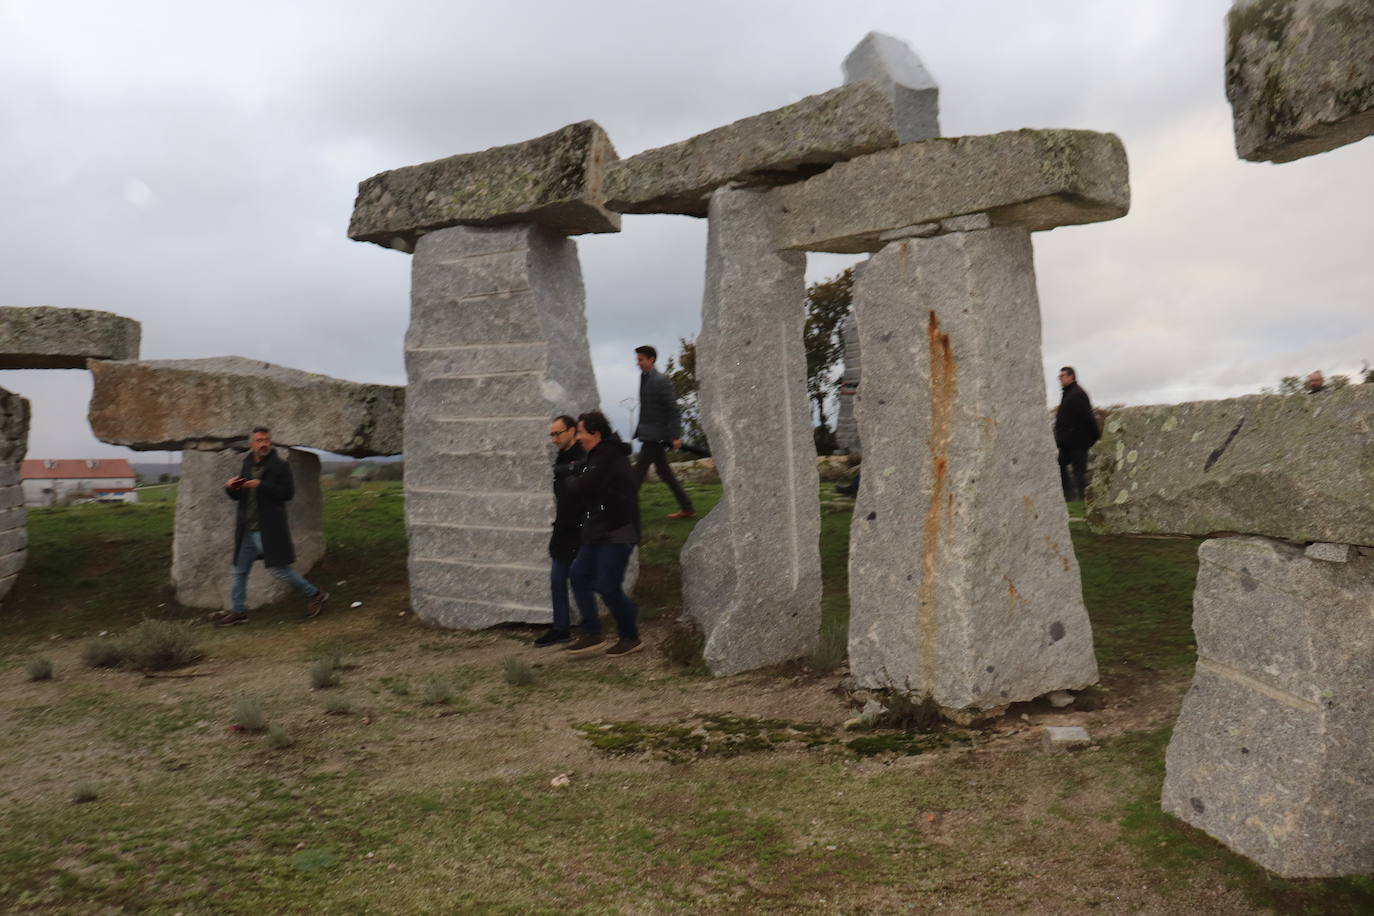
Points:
(846, 427)
(892, 64)
(497, 345)
(1271, 753)
(1284, 466)
(14, 439)
(58, 338)
(1299, 75)
(751, 570)
(963, 580)
(203, 538)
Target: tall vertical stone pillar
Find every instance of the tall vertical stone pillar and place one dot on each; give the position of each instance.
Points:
(963, 581)
(751, 569)
(14, 439)
(846, 427)
(497, 345)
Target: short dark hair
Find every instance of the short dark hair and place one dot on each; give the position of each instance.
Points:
(594, 421)
(567, 421)
(647, 351)
(1069, 370)
(262, 429)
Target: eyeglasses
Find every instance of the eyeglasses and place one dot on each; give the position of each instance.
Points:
(555, 433)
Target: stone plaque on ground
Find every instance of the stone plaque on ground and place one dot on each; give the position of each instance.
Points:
(58, 338)
(751, 570)
(14, 439)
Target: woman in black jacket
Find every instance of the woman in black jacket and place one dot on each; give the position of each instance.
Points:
(608, 489)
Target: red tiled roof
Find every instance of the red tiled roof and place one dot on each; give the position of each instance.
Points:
(76, 468)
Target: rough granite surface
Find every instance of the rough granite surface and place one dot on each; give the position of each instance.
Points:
(1271, 754)
(203, 532)
(1298, 467)
(1300, 76)
(1036, 179)
(554, 181)
(168, 404)
(56, 338)
(14, 440)
(768, 149)
(751, 570)
(892, 64)
(962, 578)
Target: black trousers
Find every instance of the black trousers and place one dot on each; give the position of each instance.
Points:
(654, 453)
(1077, 460)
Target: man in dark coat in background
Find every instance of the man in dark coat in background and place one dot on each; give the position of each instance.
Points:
(567, 527)
(262, 489)
(1075, 431)
(660, 426)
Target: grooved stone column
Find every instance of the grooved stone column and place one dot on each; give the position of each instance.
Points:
(497, 345)
(14, 440)
(203, 535)
(1272, 752)
(963, 582)
(751, 569)
(846, 427)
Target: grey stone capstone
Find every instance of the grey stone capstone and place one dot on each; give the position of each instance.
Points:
(1300, 76)
(1284, 466)
(57, 338)
(892, 64)
(554, 181)
(497, 345)
(14, 439)
(751, 570)
(1038, 179)
(962, 577)
(772, 148)
(210, 403)
(1271, 753)
(203, 532)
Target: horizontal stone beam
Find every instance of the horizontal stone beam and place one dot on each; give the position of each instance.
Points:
(1300, 76)
(553, 181)
(211, 403)
(1293, 467)
(57, 338)
(1038, 179)
(776, 147)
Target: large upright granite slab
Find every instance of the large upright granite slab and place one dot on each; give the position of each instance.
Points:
(751, 570)
(772, 148)
(168, 404)
(892, 64)
(1036, 179)
(1299, 75)
(1272, 752)
(14, 440)
(1299, 467)
(203, 535)
(963, 581)
(554, 181)
(497, 345)
(56, 338)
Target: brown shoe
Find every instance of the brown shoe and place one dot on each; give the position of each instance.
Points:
(316, 603)
(585, 643)
(685, 513)
(625, 647)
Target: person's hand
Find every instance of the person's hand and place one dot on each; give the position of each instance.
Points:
(233, 483)
(250, 484)
(677, 443)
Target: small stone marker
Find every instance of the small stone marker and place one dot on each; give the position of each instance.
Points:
(1299, 75)
(1331, 553)
(58, 338)
(892, 64)
(14, 439)
(1065, 738)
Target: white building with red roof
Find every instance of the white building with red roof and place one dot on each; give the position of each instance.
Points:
(58, 481)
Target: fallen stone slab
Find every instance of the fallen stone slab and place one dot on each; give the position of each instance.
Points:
(1284, 466)
(56, 338)
(1035, 179)
(1331, 553)
(1299, 75)
(213, 403)
(768, 149)
(751, 569)
(14, 438)
(1065, 738)
(1271, 754)
(554, 181)
(892, 64)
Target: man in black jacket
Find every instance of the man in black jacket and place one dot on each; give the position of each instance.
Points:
(1075, 431)
(567, 527)
(262, 489)
(660, 426)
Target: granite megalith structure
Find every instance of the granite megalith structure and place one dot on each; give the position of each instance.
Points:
(14, 437)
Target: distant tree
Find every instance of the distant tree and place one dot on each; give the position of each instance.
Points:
(682, 372)
(164, 478)
(343, 477)
(827, 304)
(387, 470)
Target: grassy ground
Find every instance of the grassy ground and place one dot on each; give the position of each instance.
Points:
(473, 773)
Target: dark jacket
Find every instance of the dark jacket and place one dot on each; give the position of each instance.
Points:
(274, 491)
(608, 490)
(659, 420)
(567, 518)
(1075, 427)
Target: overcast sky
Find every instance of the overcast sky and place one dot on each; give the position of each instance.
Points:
(195, 169)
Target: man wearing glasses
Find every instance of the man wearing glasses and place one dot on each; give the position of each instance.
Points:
(567, 527)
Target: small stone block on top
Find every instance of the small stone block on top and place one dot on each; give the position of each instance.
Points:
(1331, 553)
(1065, 738)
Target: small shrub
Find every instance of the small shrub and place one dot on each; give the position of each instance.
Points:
(157, 645)
(437, 692)
(39, 668)
(338, 705)
(84, 792)
(101, 653)
(518, 673)
(832, 648)
(683, 647)
(913, 713)
(278, 739)
(325, 673)
(248, 714)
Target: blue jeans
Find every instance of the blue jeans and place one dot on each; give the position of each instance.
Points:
(599, 569)
(558, 587)
(250, 548)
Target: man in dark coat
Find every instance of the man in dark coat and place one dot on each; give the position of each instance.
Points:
(1075, 431)
(262, 489)
(660, 426)
(567, 527)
